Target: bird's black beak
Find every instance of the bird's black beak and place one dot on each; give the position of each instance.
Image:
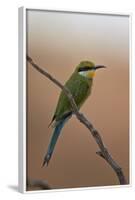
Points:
(99, 66)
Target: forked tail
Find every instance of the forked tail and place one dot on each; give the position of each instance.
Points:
(53, 141)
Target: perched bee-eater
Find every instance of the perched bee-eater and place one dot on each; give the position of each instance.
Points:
(80, 85)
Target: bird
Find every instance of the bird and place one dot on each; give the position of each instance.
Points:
(80, 85)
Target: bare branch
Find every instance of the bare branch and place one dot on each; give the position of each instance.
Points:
(103, 150)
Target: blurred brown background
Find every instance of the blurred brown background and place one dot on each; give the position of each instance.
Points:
(58, 41)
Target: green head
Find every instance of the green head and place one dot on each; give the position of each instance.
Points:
(87, 69)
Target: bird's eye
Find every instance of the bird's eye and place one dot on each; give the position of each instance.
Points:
(85, 68)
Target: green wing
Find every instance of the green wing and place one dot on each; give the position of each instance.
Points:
(80, 88)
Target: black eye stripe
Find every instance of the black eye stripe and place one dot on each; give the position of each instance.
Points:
(86, 68)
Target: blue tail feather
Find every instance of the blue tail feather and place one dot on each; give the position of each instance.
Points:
(53, 141)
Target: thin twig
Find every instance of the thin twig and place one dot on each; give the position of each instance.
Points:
(103, 153)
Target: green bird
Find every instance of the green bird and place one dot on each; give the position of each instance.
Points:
(80, 86)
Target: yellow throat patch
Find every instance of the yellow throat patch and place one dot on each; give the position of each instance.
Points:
(91, 74)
